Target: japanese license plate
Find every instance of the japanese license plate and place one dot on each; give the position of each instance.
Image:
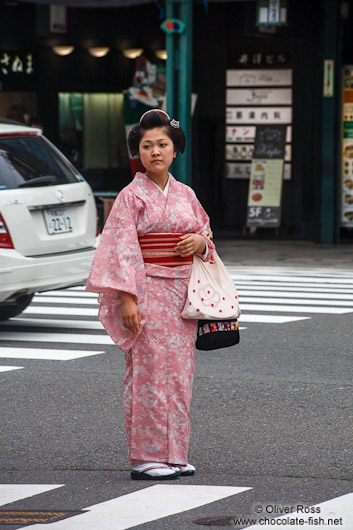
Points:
(58, 220)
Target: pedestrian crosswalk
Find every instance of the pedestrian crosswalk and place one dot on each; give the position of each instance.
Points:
(63, 325)
(155, 502)
(57, 326)
(283, 290)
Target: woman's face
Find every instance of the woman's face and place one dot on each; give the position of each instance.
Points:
(156, 151)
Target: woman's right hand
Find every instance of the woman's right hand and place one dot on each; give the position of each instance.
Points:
(130, 312)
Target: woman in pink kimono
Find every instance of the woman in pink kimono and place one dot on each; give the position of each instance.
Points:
(141, 271)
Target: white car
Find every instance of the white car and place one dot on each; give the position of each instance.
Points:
(47, 219)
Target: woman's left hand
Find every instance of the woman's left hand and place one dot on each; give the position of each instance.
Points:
(191, 244)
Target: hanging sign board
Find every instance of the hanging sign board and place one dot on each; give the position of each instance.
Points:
(259, 96)
(266, 176)
(255, 115)
(58, 19)
(261, 77)
(347, 148)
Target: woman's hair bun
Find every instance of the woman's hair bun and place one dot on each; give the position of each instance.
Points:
(151, 119)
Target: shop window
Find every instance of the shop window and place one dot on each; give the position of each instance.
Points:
(28, 99)
(92, 130)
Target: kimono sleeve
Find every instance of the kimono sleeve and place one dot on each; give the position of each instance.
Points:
(118, 259)
(118, 266)
(204, 228)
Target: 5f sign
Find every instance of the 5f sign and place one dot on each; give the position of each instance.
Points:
(255, 211)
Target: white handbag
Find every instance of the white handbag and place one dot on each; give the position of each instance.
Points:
(211, 292)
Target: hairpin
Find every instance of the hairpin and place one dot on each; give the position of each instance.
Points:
(175, 124)
(159, 111)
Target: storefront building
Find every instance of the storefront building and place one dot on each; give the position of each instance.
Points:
(244, 75)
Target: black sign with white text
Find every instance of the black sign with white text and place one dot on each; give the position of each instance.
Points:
(270, 141)
(17, 70)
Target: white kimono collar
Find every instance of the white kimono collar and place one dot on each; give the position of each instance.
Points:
(166, 188)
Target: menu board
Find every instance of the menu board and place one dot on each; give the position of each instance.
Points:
(266, 176)
(347, 148)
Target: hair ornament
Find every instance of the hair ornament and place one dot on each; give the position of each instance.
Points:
(159, 111)
(175, 124)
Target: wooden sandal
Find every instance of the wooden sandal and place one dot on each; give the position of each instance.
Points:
(145, 475)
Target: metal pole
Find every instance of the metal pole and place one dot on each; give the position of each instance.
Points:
(329, 226)
(179, 81)
(170, 62)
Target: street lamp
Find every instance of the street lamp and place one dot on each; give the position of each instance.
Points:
(98, 51)
(132, 53)
(63, 50)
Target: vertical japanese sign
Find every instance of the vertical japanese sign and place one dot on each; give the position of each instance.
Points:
(329, 66)
(347, 148)
(274, 12)
(266, 176)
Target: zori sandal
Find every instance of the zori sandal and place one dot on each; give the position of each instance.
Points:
(154, 471)
(186, 471)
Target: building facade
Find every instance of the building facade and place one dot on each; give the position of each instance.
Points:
(243, 75)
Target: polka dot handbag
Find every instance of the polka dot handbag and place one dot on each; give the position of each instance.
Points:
(212, 294)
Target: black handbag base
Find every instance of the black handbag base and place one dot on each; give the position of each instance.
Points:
(216, 334)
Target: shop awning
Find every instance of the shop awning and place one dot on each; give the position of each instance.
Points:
(105, 3)
(90, 3)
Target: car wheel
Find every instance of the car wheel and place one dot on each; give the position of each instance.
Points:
(15, 308)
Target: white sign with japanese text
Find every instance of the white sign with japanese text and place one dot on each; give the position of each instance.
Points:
(236, 170)
(239, 151)
(240, 134)
(245, 151)
(254, 77)
(259, 96)
(274, 12)
(256, 115)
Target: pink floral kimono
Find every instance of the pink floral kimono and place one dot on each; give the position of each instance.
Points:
(160, 357)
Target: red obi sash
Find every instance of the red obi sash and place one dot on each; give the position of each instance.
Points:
(158, 249)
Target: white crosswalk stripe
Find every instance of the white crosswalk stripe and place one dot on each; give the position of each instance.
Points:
(62, 323)
(143, 506)
(9, 368)
(18, 335)
(45, 354)
(77, 300)
(72, 338)
(36, 309)
(284, 290)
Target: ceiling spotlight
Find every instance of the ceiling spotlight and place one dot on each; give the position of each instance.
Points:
(133, 53)
(161, 54)
(99, 51)
(63, 50)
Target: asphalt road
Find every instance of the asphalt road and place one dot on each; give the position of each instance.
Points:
(271, 417)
